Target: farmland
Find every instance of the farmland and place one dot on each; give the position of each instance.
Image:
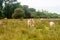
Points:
(16, 29)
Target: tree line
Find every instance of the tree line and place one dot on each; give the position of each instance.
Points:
(13, 9)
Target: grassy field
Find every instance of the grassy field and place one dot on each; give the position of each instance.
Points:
(16, 29)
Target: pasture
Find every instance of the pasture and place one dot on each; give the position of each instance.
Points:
(16, 29)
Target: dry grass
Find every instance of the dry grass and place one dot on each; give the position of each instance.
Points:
(16, 29)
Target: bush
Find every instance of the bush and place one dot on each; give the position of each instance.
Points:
(18, 13)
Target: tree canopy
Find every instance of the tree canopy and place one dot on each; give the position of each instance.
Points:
(13, 9)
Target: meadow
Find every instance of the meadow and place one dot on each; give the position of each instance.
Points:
(16, 29)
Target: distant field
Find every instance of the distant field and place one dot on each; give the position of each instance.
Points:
(16, 29)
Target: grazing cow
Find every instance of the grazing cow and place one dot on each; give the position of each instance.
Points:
(52, 24)
(30, 22)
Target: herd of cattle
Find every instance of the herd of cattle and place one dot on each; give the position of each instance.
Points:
(30, 23)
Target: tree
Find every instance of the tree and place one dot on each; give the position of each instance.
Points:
(32, 10)
(1, 14)
(9, 9)
(33, 14)
(38, 14)
(27, 12)
(1, 2)
(18, 13)
(1, 9)
(10, 6)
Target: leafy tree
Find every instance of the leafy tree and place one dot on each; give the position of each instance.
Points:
(27, 12)
(18, 13)
(10, 6)
(1, 2)
(32, 10)
(1, 9)
(33, 14)
(9, 9)
(38, 14)
(1, 14)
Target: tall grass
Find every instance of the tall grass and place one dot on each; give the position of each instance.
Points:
(16, 29)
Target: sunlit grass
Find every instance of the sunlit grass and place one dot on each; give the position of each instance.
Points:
(16, 29)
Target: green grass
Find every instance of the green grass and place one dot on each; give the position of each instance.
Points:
(16, 29)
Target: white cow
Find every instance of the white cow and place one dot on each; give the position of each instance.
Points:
(30, 22)
(52, 24)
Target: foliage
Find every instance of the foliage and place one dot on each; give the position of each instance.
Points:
(33, 14)
(1, 10)
(18, 13)
(9, 6)
(27, 12)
